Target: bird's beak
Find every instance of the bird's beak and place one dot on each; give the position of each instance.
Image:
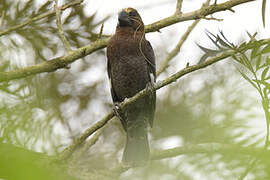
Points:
(123, 19)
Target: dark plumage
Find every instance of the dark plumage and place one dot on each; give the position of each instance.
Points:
(131, 68)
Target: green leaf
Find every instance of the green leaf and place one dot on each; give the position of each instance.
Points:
(264, 73)
(258, 62)
(265, 89)
(263, 12)
(267, 63)
(265, 106)
(268, 77)
(247, 78)
(254, 52)
(246, 62)
(266, 84)
(266, 49)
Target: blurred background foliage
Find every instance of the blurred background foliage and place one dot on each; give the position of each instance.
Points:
(46, 112)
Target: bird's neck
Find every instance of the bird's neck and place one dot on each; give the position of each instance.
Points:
(129, 32)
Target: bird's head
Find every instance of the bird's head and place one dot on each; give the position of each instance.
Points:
(129, 17)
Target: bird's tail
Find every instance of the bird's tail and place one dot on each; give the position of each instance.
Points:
(137, 151)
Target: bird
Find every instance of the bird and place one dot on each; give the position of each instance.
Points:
(131, 68)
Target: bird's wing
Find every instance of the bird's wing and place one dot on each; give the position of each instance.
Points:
(150, 56)
(151, 64)
(114, 97)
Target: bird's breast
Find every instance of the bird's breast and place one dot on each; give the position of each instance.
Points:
(128, 67)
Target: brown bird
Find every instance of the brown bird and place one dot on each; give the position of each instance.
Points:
(131, 68)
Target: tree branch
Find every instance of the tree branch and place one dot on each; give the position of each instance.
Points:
(173, 78)
(207, 148)
(177, 48)
(70, 149)
(54, 64)
(60, 28)
(88, 144)
(29, 21)
(205, 11)
(61, 62)
(178, 7)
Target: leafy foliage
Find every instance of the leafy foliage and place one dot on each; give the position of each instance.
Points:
(255, 69)
(259, 79)
(32, 107)
(46, 112)
(263, 11)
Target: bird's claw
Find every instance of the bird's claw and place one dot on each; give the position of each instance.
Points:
(119, 114)
(150, 87)
(117, 110)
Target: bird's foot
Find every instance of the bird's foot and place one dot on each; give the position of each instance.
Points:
(150, 87)
(117, 109)
(119, 113)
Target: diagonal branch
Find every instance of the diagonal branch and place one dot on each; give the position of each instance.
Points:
(60, 28)
(54, 64)
(70, 149)
(61, 62)
(88, 132)
(173, 78)
(177, 48)
(87, 145)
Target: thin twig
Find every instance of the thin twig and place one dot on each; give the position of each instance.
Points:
(2, 17)
(60, 28)
(89, 143)
(67, 125)
(70, 149)
(179, 7)
(29, 21)
(207, 148)
(212, 18)
(177, 48)
(101, 30)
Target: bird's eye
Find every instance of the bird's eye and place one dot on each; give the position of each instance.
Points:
(132, 13)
